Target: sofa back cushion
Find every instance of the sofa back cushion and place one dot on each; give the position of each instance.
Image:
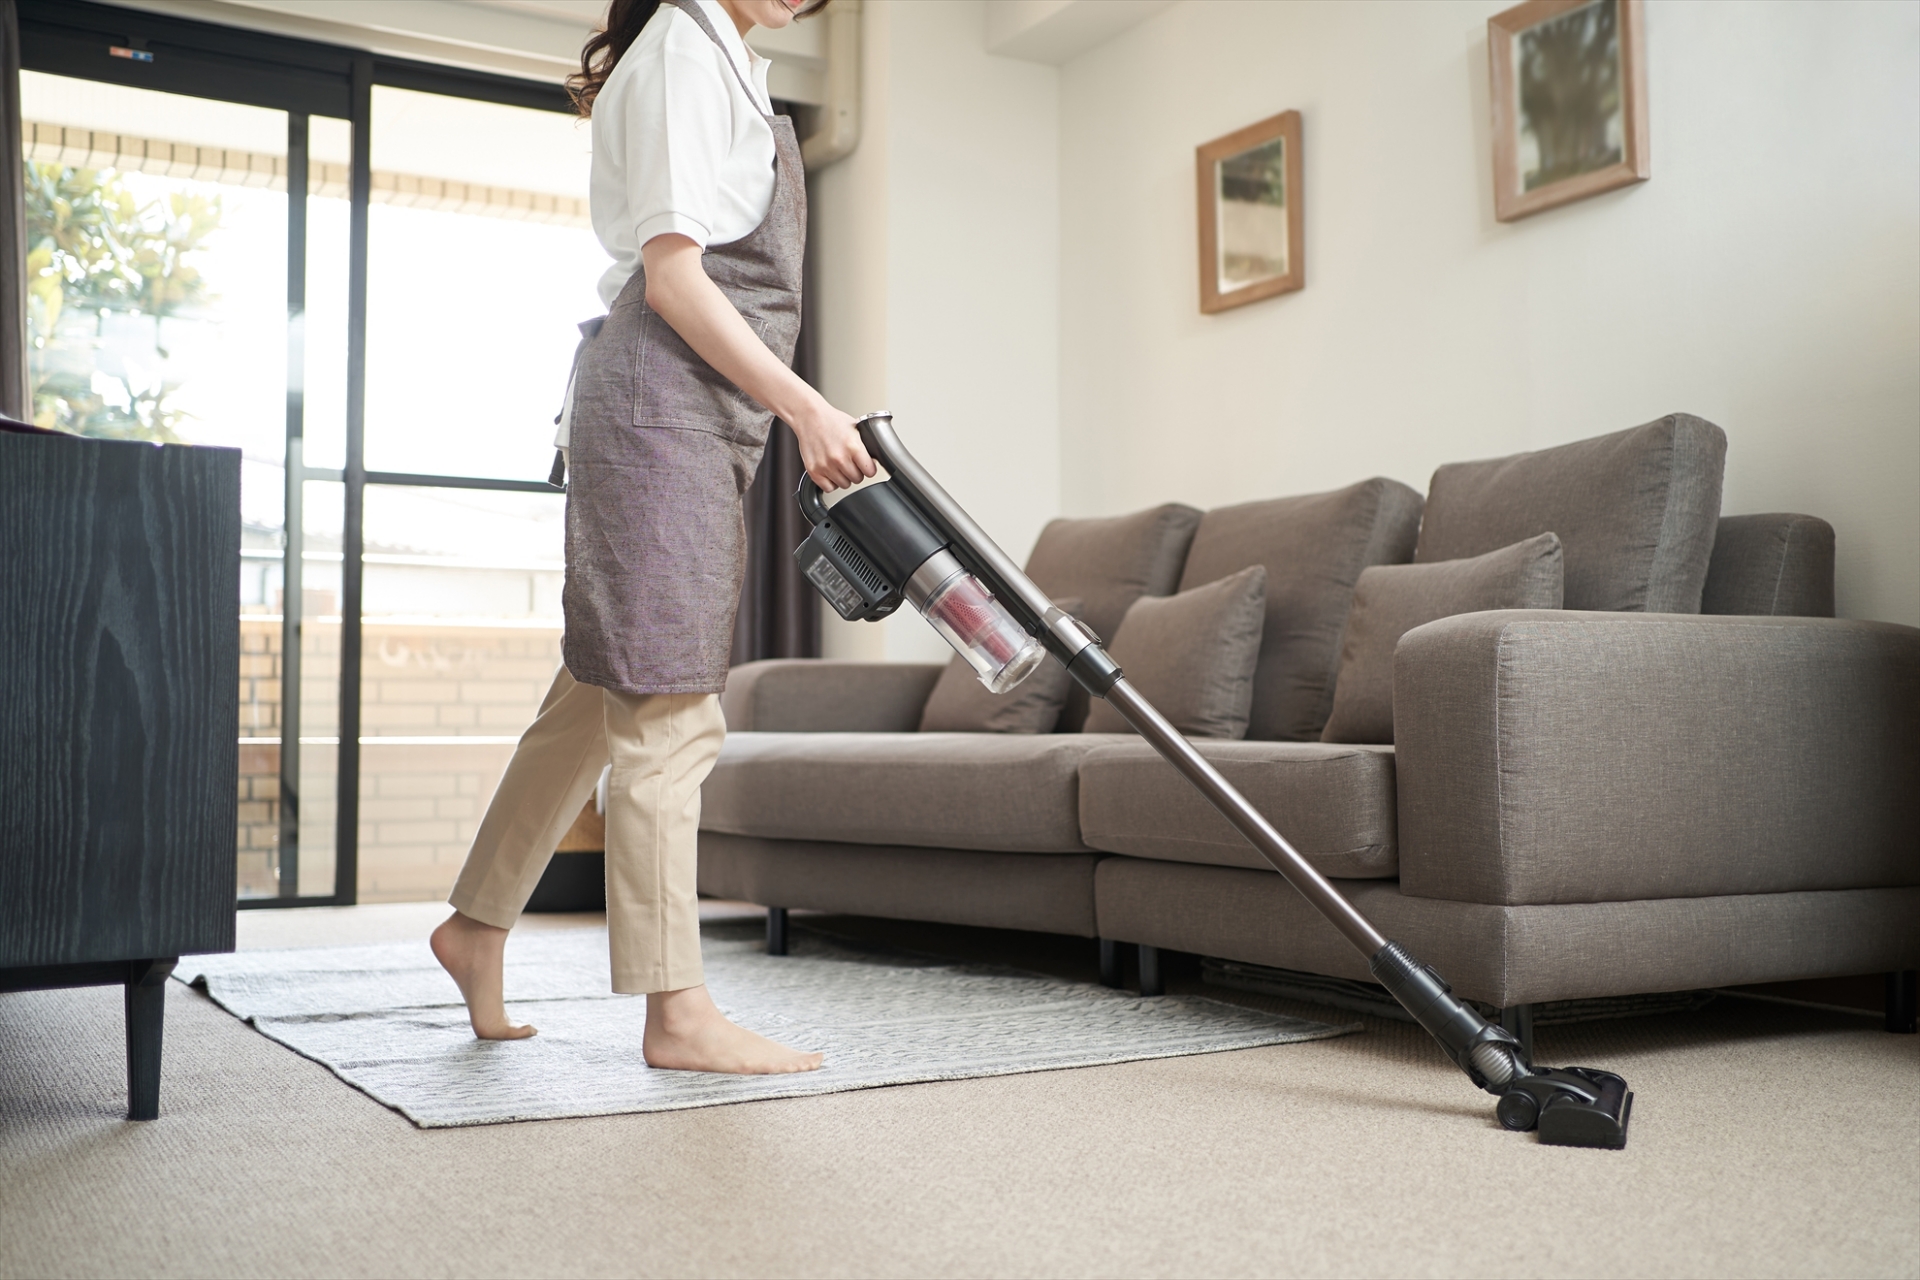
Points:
(1192, 656)
(1635, 512)
(1771, 564)
(1392, 599)
(1313, 548)
(1108, 563)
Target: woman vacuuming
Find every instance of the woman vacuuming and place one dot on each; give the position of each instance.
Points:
(698, 195)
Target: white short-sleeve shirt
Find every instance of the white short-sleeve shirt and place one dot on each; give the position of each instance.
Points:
(678, 143)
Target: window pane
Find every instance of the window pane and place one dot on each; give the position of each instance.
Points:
(320, 630)
(461, 638)
(481, 263)
(264, 859)
(156, 267)
(329, 153)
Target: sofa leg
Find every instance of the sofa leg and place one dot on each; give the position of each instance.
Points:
(1109, 962)
(776, 931)
(1517, 1020)
(146, 1017)
(1901, 993)
(1151, 984)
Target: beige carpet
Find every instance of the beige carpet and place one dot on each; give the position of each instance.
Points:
(1766, 1141)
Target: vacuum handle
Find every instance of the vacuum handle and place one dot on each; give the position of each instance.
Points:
(1065, 634)
(812, 505)
(877, 433)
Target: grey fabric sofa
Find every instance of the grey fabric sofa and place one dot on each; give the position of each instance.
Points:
(1595, 801)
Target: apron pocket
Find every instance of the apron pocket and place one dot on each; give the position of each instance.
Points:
(674, 387)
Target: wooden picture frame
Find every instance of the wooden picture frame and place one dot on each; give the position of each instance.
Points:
(1251, 243)
(1560, 135)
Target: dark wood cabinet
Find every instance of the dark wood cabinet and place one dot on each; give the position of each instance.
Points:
(119, 679)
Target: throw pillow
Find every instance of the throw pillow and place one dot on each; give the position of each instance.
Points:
(1109, 562)
(1392, 599)
(961, 704)
(1314, 547)
(1192, 656)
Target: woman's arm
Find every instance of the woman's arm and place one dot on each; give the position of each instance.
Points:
(678, 288)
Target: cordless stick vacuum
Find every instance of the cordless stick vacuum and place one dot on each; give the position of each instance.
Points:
(906, 538)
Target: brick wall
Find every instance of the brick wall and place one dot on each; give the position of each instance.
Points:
(430, 681)
(420, 801)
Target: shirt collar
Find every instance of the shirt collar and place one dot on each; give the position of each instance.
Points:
(745, 57)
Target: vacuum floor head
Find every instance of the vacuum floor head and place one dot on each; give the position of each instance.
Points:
(1569, 1106)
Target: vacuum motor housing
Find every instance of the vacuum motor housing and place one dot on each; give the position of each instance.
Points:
(872, 549)
(861, 555)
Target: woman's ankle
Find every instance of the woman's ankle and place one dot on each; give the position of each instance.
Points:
(466, 924)
(684, 1006)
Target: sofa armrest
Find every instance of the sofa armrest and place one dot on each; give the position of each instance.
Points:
(1548, 757)
(817, 695)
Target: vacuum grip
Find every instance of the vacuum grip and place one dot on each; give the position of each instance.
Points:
(812, 503)
(1485, 1052)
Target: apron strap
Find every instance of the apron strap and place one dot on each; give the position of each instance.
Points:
(692, 9)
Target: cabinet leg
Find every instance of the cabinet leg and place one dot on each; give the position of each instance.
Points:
(1109, 963)
(146, 1015)
(776, 931)
(1518, 1021)
(1151, 984)
(1901, 992)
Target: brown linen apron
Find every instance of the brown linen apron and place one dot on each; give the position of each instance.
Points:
(662, 447)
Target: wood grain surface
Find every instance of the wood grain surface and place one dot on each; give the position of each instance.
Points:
(119, 688)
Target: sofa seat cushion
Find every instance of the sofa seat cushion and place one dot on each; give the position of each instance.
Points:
(1334, 803)
(1005, 793)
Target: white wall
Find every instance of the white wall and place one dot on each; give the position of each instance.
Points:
(1767, 278)
(937, 276)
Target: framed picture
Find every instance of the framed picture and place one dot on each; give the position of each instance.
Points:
(1250, 214)
(1569, 102)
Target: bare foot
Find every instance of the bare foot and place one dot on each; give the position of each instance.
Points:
(685, 1032)
(474, 955)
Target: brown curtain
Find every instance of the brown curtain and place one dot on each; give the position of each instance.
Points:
(779, 610)
(13, 225)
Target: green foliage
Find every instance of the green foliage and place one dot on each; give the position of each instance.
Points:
(93, 251)
(1258, 176)
(1569, 91)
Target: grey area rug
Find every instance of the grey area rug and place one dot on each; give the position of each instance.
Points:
(387, 1020)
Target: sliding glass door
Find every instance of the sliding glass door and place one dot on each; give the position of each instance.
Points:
(365, 275)
(481, 263)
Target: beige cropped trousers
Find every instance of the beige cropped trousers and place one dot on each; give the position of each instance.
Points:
(662, 747)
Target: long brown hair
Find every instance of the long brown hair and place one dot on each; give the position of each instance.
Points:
(625, 18)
